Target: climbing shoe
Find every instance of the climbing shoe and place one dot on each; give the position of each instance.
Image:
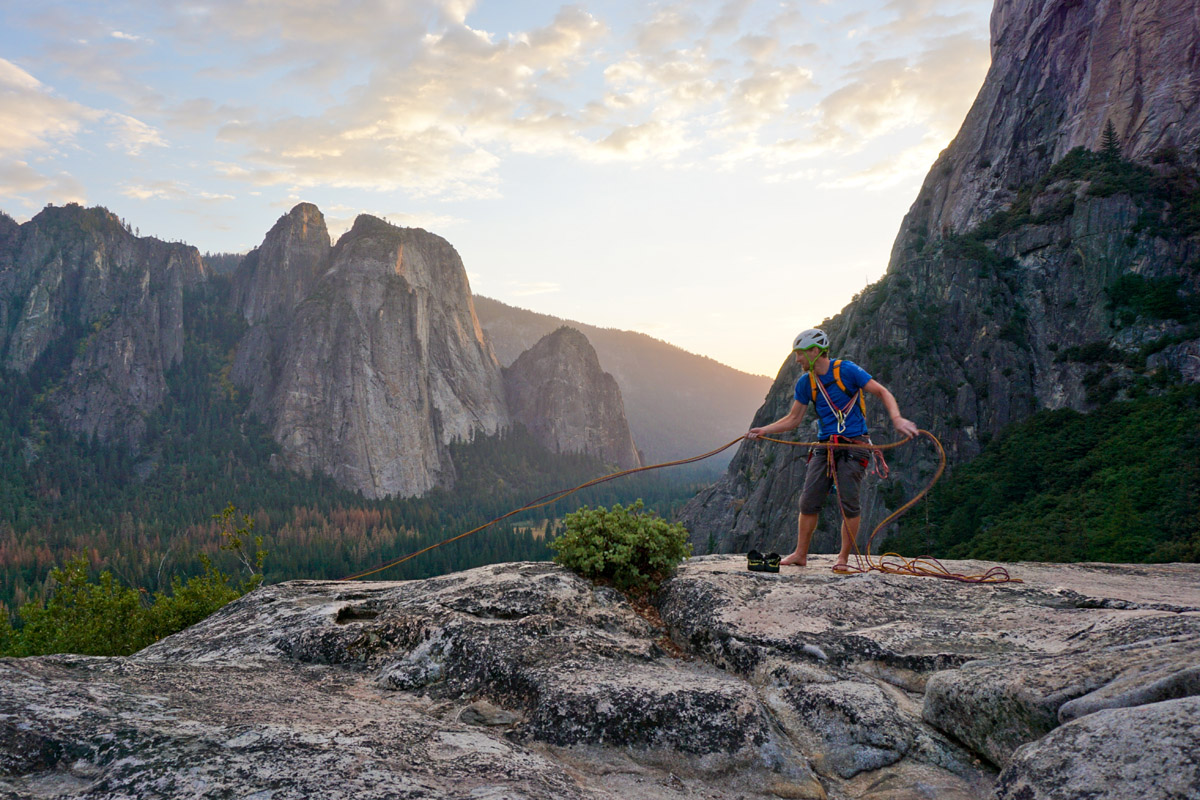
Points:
(771, 562)
(755, 561)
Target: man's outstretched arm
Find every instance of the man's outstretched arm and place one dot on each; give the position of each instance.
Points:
(904, 427)
(794, 417)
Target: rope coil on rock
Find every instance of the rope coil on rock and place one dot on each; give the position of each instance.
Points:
(890, 563)
(894, 563)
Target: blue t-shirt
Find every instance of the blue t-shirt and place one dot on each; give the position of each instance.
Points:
(854, 378)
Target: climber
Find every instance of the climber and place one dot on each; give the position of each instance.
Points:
(836, 387)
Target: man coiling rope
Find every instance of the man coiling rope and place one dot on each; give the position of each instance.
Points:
(836, 389)
(840, 457)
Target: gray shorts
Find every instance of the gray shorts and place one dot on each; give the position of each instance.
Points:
(851, 466)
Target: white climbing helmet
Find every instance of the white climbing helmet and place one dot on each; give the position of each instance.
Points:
(813, 337)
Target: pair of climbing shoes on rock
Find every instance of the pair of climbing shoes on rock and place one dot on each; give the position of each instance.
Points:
(757, 562)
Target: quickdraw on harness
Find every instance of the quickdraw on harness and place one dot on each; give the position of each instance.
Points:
(879, 465)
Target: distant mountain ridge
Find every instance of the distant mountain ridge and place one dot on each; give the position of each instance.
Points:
(678, 404)
(364, 358)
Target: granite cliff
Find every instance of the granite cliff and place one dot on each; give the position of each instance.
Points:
(1061, 70)
(678, 403)
(278, 274)
(1013, 285)
(81, 295)
(364, 359)
(525, 681)
(379, 366)
(557, 390)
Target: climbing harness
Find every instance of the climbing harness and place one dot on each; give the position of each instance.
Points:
(891, 563)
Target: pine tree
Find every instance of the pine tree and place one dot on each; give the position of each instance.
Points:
(1110, 145)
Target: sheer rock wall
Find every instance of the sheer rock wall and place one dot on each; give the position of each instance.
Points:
(77, 278)
(382, 363)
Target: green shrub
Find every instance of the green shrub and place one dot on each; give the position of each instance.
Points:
(1133, 295)
(104, 618)
(101, 618)
(628, 546)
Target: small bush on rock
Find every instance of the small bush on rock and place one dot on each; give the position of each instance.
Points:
(633, 548)
(103, 617)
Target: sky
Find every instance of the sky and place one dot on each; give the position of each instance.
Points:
(719, 175)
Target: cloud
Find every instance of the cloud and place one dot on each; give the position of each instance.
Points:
(925, 17)
(171, 190)
(412, 96)
(31, 116)
(34, 118)
(438, 126)
(18, 180)
(133, 135)
(119, 66)
(930, 90)
(912, 162)
(667, 27)
(729, 17)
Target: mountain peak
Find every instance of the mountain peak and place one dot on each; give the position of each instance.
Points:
(276, 276)
(558, 391)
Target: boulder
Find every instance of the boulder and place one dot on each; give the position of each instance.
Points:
(525, 681)
(1148, 751)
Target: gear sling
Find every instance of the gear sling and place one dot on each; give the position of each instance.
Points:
(840, 414)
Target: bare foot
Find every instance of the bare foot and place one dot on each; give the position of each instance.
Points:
(841, 566)
(794, 560)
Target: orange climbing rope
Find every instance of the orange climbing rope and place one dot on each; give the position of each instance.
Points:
(923, 566)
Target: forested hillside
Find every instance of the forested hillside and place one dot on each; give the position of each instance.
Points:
(1119, 484)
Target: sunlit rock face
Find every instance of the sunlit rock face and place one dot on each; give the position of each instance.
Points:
(558, 391)
(379, 367)
(523, 680)
(78, 287)
(1062, 69)
(276, 276)
(974, 337)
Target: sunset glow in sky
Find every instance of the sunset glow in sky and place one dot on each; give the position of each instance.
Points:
(717, 174)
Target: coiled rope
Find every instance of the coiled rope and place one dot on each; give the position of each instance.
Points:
(891, 563)
(894, 563)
